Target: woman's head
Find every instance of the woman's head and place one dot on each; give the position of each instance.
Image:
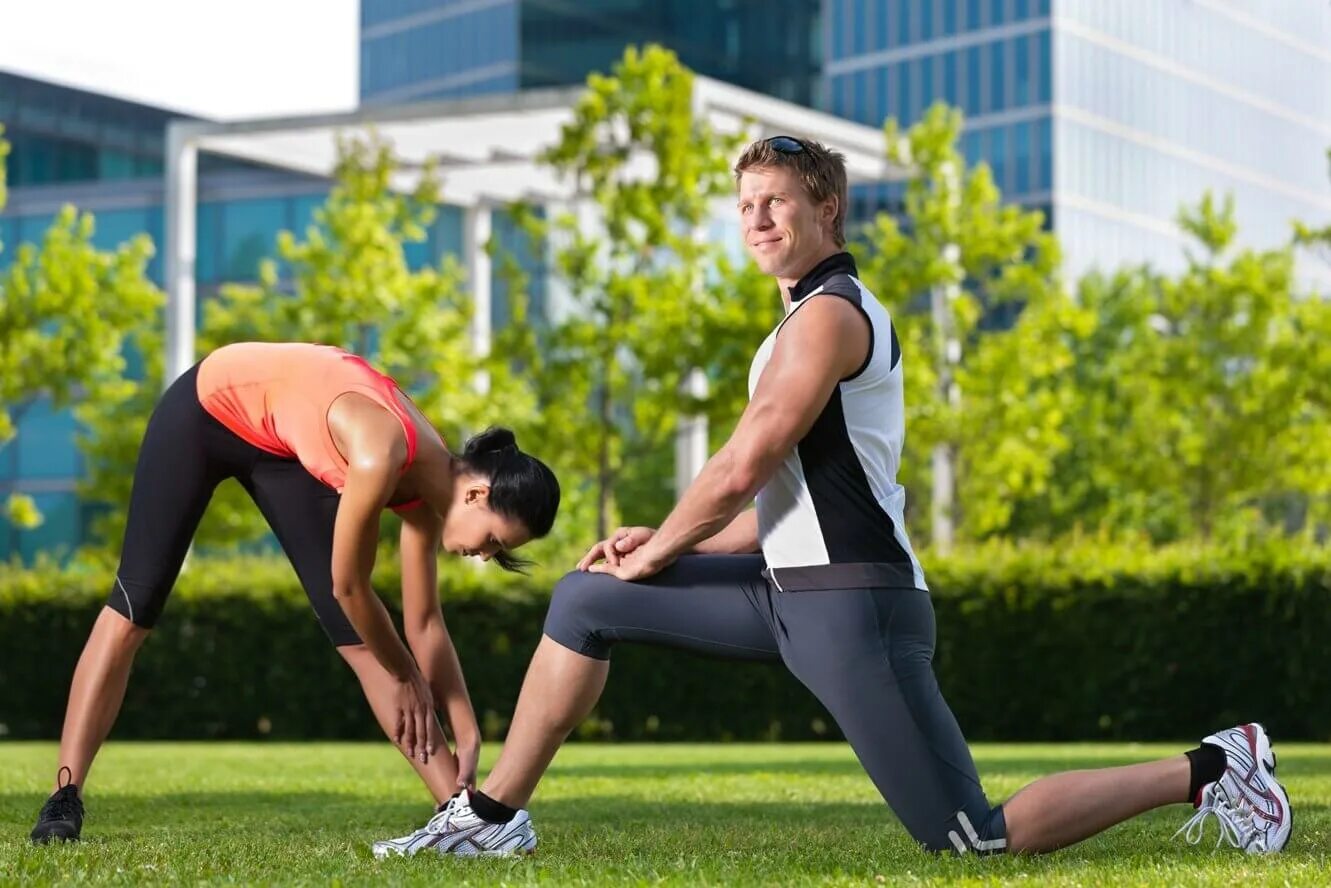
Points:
(502, 498)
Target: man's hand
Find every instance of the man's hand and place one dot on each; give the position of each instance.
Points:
(644, 561)
(617, 545)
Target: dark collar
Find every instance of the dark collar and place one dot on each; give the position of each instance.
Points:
(838, 263)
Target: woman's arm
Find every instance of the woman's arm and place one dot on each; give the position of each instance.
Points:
(428, 638)
(376, 451)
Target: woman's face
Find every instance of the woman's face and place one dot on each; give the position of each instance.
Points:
(472, 528)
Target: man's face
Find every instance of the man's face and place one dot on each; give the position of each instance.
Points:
(784, 229)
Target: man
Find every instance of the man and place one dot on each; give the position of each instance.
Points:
(836, 594)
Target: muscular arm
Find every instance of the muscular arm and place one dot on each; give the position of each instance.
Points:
(739, 537)
(824, 342)
(423, 621)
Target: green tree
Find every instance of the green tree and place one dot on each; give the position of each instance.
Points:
(985, 399)
(1144, 405)
(1201, 406)
(68, 312)
(1310, 237)
(649, 297)
(346, 283)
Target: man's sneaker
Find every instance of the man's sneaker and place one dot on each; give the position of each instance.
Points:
(61, 818)
(456, 829)
(1250, 805)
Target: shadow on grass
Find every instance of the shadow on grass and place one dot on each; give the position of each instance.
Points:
(612, 824)
(989, 768)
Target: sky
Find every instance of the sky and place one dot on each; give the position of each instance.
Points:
(224, 60)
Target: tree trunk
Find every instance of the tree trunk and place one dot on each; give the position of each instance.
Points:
(603, 474)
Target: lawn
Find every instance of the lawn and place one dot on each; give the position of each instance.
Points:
(706, 814)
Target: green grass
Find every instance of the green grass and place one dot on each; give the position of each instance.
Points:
(718, 814)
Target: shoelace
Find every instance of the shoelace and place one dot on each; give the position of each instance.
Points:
(1236, 826)
(63, 805)
(439, 822)
(1246, 829)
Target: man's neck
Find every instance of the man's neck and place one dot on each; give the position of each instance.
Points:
(787, 283)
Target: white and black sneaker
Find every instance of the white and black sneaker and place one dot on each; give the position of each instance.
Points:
(1249, 804)
(61, 818)
(456, 829)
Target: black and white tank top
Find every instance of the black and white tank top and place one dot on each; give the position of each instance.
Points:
(833, 515)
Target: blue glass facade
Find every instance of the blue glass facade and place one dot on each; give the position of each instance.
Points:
(415, 49)
(1109, 116)
(420, 49)
(1159, 102)
(54, 139)
(991, 58)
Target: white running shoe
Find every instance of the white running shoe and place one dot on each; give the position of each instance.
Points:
(1250, 805)
(456, 829)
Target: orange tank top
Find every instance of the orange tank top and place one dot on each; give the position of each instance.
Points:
(276, 396)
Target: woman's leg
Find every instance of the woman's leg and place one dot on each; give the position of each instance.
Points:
(97, 691)
(173, 482)
(440, 773)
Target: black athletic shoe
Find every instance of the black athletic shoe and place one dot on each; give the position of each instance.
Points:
(62, 815)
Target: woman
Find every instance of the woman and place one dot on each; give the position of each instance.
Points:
(323, 443)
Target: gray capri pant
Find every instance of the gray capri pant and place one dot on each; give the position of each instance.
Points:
(865, 653)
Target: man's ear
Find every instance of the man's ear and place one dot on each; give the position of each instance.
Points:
(830, 208)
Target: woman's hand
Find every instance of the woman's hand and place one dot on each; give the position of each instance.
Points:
(468, 756)
(415, 728)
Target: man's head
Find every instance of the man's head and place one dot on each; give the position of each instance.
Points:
(792, 203)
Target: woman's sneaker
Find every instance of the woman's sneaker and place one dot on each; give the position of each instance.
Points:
(457, 829)
(61, 818)
(1249, 804)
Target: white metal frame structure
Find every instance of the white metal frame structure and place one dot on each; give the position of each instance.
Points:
(485, 151)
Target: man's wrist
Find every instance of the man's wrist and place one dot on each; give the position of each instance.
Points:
(655, 552)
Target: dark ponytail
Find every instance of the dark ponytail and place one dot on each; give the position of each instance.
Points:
(521, 486)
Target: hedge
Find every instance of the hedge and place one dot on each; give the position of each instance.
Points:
(1080, 642)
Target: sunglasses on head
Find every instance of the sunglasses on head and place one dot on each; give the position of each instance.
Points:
(786, 144)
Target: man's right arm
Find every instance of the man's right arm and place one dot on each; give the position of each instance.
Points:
(740, 537)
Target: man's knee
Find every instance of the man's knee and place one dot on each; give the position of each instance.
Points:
(576, 618)
(986, 833)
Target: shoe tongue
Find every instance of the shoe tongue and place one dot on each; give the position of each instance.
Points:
(458, 798)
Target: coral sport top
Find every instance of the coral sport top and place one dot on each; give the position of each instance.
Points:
(276, 396)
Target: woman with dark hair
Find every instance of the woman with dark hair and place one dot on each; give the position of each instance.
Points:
(323, 443)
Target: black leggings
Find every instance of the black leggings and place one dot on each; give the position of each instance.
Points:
(185, 454)
(866, 654)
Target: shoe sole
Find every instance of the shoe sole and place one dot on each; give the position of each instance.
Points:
(1264, 758)
(385, 853)
(1267, 758)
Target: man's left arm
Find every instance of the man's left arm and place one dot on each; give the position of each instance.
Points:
(823, 343)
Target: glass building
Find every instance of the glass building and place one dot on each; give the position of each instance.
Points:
(1109, 116)
(416, 49)
(105, 156)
